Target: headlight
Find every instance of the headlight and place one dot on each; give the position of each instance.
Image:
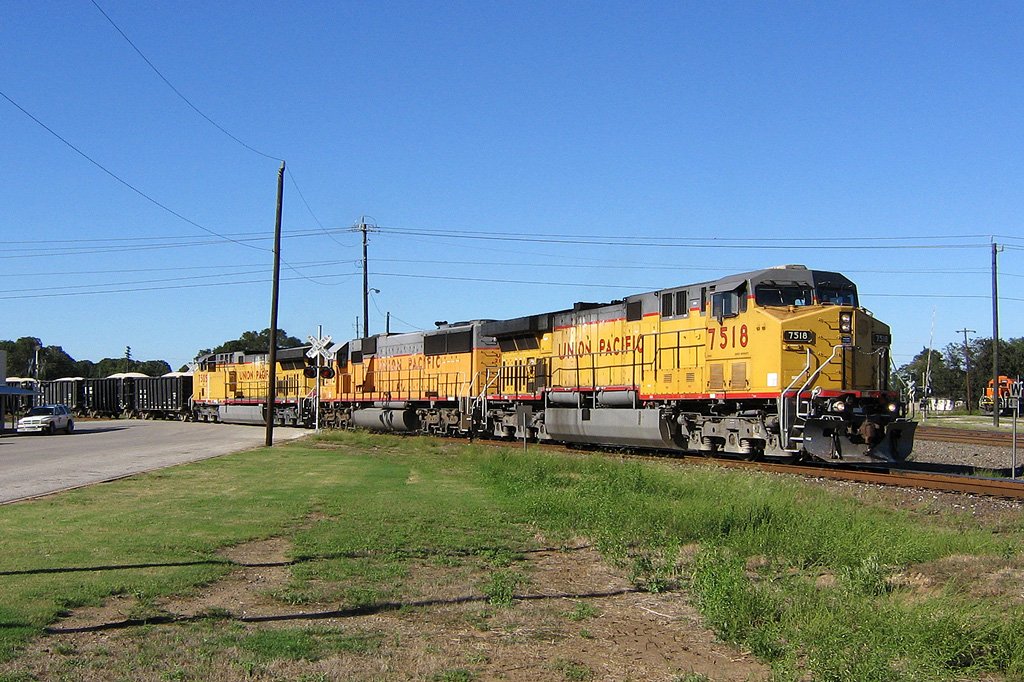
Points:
(846, 322)
(893, 407)
(839, 406)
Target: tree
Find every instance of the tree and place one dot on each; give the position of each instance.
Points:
(21, 355)
(943, 382)
(153, 368)
(253, 341)
(54, 363)
(108, 366)
(949, 368)
(85, 369)
(1011, 359)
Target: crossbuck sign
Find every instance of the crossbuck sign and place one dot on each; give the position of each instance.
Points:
(320, 347)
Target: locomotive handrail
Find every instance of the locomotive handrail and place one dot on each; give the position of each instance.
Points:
(810, 379)
(783, 404)
(481, 399)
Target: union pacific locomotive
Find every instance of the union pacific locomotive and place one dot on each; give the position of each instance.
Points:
(777, 363)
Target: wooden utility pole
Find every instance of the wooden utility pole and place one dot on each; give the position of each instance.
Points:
(272, 359)
(995, 336)
(366, 283)
(967, 363)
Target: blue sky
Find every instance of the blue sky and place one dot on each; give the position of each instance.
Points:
(752, 134)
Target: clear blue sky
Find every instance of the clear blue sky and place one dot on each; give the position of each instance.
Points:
(896, 126)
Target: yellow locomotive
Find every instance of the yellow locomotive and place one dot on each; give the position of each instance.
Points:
(418, 381)
(781, 362)
(232, 388)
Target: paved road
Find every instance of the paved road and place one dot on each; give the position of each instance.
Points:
(97, 451)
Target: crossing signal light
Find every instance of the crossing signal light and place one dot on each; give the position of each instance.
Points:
(309, 372)
(326, 372)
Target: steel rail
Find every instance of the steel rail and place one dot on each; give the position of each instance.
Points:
(989, 487)
(949, 434)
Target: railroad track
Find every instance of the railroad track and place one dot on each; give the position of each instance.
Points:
(901, 478)
(971, 436)
(989, 487)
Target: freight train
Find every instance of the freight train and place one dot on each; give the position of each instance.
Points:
(780, 363)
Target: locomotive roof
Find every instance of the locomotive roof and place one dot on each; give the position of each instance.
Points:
(781, 275)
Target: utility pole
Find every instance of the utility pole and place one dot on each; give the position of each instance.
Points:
(995, 335)
(967, 362)
(366, 283)
(272, 360)
(364, 228)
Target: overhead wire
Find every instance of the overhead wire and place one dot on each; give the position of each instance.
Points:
(122, 180)
(671, 242)
(127, 290)
(214, 123)
(177, 92)
(210, 120)
(302, 196)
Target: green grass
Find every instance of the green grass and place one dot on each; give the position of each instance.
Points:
(801, 577)
(302, 644)
(581, 611)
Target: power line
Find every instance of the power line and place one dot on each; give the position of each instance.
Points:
(207, 118)
(40, 252)
(177, 92)
(179, 269)
(121, 287)
(134, 290)
(813, 240)
(186, 278)
(123, 181)
(295, 184)
(662, 242)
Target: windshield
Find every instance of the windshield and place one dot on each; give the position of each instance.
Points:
(40, 411)
(837, 296)
(782, 295)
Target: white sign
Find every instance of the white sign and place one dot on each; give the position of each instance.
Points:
(320, 347)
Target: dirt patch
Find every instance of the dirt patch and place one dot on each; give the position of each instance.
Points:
(263, 568)
(984, 577)
(572, 617)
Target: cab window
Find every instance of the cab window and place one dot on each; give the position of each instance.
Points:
(837, 296)
(682, 303)
(666, 305)
(768, 295)
(729, 303)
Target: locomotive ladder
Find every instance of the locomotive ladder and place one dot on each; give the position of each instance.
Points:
(802, 406)
(470, 402)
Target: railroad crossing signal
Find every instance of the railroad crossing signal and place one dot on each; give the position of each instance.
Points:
(320, 347)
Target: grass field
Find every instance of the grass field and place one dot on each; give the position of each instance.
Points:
(818, 583)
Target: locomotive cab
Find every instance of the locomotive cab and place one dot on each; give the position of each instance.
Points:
(835, 403)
